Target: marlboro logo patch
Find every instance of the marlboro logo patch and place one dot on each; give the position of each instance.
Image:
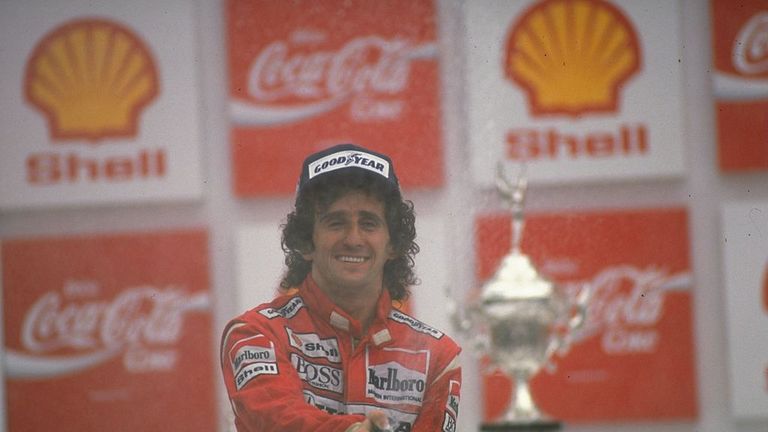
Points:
(397, 376)
(252, 357)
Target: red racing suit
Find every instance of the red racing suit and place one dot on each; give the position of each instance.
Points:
(299, 363)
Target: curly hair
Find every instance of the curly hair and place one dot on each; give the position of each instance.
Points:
(319, 196)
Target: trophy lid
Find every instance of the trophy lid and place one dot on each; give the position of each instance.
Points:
(516, 279)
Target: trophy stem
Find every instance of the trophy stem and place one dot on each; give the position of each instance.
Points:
(522, 407)
(517, 233)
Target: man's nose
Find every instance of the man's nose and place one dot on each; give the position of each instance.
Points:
(354, 235)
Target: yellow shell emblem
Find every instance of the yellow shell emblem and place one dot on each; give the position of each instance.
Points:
(91, 78)
(572, 56)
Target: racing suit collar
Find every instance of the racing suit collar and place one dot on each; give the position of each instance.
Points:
(321, 306)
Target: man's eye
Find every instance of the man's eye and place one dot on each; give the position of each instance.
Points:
(369, 224)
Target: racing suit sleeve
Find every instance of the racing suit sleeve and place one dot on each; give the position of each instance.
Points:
(441, 401)
(265, 390)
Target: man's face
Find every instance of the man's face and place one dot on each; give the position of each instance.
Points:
(351, 245)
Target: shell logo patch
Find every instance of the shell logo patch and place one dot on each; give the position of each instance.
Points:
(91, 78)
(572, 56)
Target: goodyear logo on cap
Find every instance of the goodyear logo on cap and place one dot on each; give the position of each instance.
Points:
(347, 159)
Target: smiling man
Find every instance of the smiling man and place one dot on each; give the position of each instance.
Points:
(332, 354)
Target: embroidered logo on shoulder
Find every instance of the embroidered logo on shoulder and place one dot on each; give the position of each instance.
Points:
(415, 324)
(251, 357)
(286, 311)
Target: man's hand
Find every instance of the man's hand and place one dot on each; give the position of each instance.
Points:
(375, 421)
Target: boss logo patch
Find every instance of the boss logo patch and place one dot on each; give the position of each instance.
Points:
(318, 376)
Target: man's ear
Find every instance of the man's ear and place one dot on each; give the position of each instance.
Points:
(391, 252)
(308, 252)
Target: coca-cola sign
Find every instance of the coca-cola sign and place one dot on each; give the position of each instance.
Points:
(639, 322)
(66, 332)
(626, 307)
(306, 75)
(120, 324)
(369, 63)
(740, 83)
(750, 48)
(290, 85)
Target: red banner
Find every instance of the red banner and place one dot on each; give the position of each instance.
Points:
(633, 359)
(741, 83)
(305, 75)
(108, 333)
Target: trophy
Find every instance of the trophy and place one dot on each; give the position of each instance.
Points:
(520, 321)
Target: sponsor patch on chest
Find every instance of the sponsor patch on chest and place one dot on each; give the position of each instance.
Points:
(319, 376)
(312, 345)
(397, 376)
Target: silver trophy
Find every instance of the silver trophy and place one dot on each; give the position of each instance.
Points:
(520, 321)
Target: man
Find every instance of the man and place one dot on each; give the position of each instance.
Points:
(332, 354)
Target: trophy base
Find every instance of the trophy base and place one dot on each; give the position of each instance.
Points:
(521, 427)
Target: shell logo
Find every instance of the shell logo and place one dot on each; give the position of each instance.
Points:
(91, 78)
(572, 56)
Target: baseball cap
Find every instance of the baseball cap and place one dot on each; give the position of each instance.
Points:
(347, 158)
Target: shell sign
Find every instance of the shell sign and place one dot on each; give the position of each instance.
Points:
(100, 105)
(571, 82)
(91, 78)
(576, 89)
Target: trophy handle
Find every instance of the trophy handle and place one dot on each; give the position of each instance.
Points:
(582, 303)
(456, 314)
(561, 341)
(464, 321)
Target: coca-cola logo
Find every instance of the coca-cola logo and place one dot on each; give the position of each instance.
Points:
(626, 305)
(290, 81)
(63, 332)
(750, 48)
